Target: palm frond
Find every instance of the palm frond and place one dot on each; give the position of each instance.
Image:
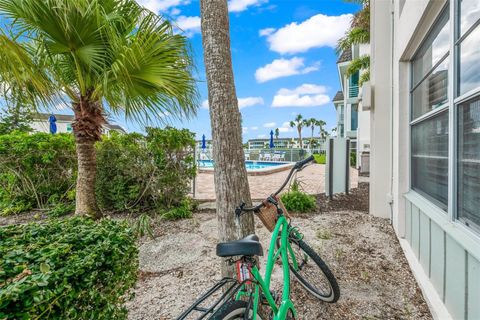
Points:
(151, 74)
(360, 63)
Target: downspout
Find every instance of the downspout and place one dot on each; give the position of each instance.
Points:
(392, 35)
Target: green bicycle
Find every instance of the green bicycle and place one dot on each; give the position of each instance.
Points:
(243, 296)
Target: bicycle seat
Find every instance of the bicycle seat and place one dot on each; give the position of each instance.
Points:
(248, 246)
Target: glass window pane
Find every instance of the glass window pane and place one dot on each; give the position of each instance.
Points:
(436, 45)
(469, 64)
(469, 162)
(469, 14)
(354, 117)
(430, 158)
(432, 92)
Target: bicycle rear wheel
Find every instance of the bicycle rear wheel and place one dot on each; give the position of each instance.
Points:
(233, 310)
(313, 273)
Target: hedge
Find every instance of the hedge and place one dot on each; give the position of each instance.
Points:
(66, 269)
(134, 172)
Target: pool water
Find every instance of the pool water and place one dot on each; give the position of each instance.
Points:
(250, 165)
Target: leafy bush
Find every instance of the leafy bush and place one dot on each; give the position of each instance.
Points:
(297, 201)
(61, 210)
(66, 269)
(145, 172)
(320, 158)
(36, 171)
(182, 211)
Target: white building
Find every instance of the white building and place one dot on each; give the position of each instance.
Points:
(64, 122)
(425, 143)
(353, 120)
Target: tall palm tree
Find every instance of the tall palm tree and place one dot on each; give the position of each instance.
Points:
(277, 133)
(298, 123)
(230, 174)
(358, 33)
(312, 123)
(103, 56)
(321, 128)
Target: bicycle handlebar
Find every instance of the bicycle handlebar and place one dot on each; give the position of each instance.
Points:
(297, 167)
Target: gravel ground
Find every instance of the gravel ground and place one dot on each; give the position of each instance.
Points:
(362, 251)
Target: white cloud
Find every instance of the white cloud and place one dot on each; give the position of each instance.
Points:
(254, 128)
(306, 95)
(279, 68)
(244, 130)
(205, 104)
(269, 125)
(266, 32)
(261, 136)
(249, 101)
(285, 127)
(189, 25)
(161, 5)
(317, 31)
(175, 12)
(242, 102)
(242, 5)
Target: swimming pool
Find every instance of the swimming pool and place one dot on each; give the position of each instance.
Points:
(250, 165)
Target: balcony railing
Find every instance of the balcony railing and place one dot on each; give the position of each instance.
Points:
(353, 92)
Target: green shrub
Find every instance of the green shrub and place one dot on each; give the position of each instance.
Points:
(182, 211)
(36, 170)
(145, 172)
(320, 158)
(66, 269)
(297, 201)
(61, 209)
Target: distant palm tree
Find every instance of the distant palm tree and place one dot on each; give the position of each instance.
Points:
(109, 55)
(277, 133)
(321, 129)
(298, 123)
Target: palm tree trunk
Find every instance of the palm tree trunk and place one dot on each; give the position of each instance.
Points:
(87, 129)
(231, 183)
(300, 137)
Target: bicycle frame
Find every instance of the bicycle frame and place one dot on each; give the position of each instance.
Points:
(280, 312)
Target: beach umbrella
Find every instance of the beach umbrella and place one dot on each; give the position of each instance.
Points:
(204, 143)
(272, 145)
(53, 125)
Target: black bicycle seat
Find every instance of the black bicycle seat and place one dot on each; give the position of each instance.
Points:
(248, 246)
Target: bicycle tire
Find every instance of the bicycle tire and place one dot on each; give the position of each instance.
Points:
(233, 310)
(334, 293)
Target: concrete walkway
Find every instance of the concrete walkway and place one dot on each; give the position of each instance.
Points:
(312, 181)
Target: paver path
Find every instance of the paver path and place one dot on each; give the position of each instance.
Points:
(312, 179)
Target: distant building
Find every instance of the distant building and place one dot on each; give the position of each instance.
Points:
(64, 124)
(284, 143)
(353, 120)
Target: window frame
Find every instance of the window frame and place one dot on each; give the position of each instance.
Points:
(451, 214)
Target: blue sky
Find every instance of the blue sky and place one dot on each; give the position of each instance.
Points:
(283, 57)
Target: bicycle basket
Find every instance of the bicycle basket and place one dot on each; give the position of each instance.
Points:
(268, 214)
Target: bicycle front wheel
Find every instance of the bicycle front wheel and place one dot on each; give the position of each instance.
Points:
(313, 273)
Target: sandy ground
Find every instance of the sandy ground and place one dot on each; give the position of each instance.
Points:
(311, 177)
(362, 251)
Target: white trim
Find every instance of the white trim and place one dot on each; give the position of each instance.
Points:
(466, 238)
(467, 96)
(430, 114)
(435, 304)
(452, 143)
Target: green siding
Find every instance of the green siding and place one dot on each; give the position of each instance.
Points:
(425, 242)
(473, 288)
(408, 222)
(437, 254)
(415, 230)
(455, 279)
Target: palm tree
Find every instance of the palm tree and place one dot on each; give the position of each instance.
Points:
(358, 33)
(312, 123)
(109, 56)
(321, 129)
(230, 174)
(277, 133)
(298, 123)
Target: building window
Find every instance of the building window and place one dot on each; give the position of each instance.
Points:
(69, 127)
(469, 162)
(468, 113)
(430, 70)
(429, 114)
(354, 117)
(430, 158)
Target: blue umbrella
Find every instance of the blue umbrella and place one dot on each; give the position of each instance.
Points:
(204, 143)
(272, 145)
(53, 125)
